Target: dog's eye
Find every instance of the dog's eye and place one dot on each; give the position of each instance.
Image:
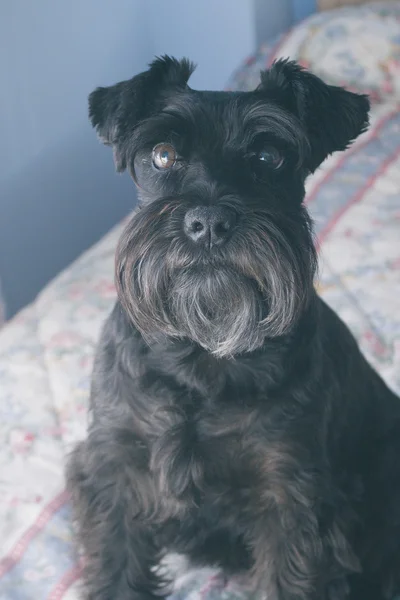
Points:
(164, 156)
(270, 157)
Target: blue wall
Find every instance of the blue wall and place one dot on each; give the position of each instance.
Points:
(58, 189)
(269, 21)
(215, 34)
(303, 8)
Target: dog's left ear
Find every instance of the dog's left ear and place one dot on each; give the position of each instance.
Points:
(115, 111)
(332, 116)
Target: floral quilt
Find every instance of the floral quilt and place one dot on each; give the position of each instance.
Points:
(46, 356)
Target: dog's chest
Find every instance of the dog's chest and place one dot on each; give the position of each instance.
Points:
(203, 451)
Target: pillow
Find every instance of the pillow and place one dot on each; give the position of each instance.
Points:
(355, 46)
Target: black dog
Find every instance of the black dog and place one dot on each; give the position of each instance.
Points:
(234, 418)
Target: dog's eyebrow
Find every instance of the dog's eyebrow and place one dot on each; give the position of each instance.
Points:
(264, 117)
(185, 108)
(271, 119)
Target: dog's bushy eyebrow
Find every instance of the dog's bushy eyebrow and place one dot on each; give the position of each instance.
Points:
(188, 116)
(262, 117)
(185, 107)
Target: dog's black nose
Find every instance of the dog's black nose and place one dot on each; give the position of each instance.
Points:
(209, 225)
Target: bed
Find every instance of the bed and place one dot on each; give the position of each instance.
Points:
(46, 352)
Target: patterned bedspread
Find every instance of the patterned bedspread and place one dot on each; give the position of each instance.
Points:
(46, 356)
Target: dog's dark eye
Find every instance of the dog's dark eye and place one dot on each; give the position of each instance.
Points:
(270, 157)
(164, 156)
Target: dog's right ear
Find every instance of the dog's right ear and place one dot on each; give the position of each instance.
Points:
(115, 111)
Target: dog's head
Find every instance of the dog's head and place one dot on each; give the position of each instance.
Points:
(221, 250)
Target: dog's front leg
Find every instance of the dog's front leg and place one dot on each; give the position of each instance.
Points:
(299, 534)
(295, 562)
(114, 505)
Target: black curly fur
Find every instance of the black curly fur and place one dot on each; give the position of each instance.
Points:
(234, 419)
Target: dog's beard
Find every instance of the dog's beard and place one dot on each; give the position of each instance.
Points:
(228, 304)
(218, 308)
